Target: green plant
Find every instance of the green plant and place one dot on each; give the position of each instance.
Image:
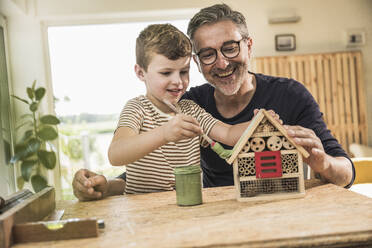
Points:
(34, 150)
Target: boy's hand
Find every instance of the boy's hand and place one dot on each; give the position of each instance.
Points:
(272, 113)
(181, 127)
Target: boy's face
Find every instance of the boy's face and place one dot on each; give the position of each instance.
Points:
(165, 79)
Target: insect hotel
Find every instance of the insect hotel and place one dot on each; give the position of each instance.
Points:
(267, 163)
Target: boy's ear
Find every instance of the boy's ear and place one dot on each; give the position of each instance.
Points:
(195, 58)
(140, 72)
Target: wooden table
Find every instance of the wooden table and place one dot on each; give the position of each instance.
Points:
(327, 216)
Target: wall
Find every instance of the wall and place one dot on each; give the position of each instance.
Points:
(27, 63)
(321, 29)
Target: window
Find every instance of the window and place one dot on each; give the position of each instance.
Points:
(93, 77)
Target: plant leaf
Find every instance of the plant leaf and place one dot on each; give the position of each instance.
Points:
(38, 182)
(39, 93)
(30, 93)
(26, 169)
(26, 135)
(48, 159)
(33, 85)
(47, 133)
(24, 150)
(49, 119)
(19, 152)
(34, 106)
(33, 145)
(20, 99)
(20, 182)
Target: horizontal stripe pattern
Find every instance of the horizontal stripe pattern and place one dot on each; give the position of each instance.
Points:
(154, 172)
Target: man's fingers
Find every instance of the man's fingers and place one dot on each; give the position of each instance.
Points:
(306, 142)
(97, 180)
(81, 177)
(317, 152)
(95, 195)
(83, 183)
(85, 194)
(299, 132)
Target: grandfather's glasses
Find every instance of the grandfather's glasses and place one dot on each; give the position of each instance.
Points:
(229, 50)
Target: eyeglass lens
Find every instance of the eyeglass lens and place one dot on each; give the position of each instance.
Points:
(229, 50)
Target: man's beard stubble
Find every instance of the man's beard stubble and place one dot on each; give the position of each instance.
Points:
(232, 87)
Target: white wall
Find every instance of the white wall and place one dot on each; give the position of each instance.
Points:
(26, 57)
(321, 29)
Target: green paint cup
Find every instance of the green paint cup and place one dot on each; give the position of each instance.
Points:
(188, 185)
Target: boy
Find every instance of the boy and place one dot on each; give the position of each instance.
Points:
(150, 138)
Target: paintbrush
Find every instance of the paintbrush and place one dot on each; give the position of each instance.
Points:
(216, 147)
(171, 106)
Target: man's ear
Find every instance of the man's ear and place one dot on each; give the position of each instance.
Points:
(195, 58)
(249, 45)
(140, 72)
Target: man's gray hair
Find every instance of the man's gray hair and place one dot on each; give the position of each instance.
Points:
(214, 14)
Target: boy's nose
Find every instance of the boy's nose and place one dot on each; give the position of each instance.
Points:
(177, 80)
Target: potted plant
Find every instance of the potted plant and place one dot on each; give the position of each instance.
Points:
(34, 151)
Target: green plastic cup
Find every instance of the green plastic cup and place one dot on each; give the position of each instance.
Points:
(188, 185)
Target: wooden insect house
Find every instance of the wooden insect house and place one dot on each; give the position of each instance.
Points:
(267, 163)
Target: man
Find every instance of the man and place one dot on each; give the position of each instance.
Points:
(231, 96)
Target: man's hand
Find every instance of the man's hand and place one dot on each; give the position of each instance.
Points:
(88, 185)
(337, 170)
(318, 159)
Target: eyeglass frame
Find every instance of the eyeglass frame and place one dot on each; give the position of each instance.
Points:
(216, 53)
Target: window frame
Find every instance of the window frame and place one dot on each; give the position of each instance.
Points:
(10, 171)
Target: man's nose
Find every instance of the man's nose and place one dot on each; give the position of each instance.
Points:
(221, 61)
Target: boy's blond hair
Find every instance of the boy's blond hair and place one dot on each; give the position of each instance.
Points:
(164, 39)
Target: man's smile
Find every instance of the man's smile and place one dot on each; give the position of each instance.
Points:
(226, 73)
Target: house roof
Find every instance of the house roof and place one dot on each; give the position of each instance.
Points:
(252, 127)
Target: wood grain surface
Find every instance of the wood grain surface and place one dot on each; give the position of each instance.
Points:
(328, 215)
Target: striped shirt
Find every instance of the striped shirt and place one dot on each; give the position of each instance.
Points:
(154, 172)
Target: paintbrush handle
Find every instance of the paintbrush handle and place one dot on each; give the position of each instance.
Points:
(171, 106)
(210, 141)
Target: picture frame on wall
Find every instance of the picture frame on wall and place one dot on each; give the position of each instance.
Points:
(285, 42)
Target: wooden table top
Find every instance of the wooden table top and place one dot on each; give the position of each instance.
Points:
(328, 215)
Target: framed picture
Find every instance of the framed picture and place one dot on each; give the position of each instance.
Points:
(285, 42)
